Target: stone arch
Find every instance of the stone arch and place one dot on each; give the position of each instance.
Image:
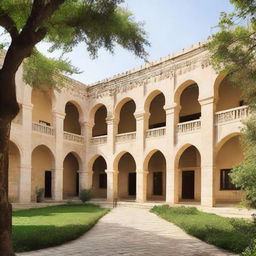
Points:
(14, 171)
(217, 84)
(127, 176)
(188, 173)
(43, 165)
(42, 99)
(72, 118)
(154, 105)
(227, 95)
(98, 115)
(155, 164)
(71, 166)
(225, 191)
(99, 181)
(225, 139)
(186, 96)
(124, 113)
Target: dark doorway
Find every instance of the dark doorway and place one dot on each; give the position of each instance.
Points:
(132, 184)
(158, 183)
(77, 184)
(188, 184)
(48, 184)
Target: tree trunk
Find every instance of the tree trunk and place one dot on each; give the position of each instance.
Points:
(8, 110)
(6, 248)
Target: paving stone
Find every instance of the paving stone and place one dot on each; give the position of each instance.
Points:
(128, 231)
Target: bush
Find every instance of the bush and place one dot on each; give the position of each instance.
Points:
(85, 195)
(251, 250)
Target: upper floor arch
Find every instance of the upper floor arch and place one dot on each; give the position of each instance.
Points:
(97, 117)
(154, 105)
(186, 97)
(124, 113)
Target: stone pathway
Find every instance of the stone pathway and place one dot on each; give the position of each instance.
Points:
(132, 232)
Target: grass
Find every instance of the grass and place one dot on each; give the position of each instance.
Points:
(227, 233)
(39, 228)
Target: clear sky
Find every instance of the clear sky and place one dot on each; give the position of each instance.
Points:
(171, 25)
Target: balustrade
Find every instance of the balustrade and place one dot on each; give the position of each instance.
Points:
(73, 137)
(156, 132)
(228, 115)
(189, 126)
(125, 137)
(42, 128)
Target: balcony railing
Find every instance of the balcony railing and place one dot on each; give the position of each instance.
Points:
(42, 128)
(125, 136)
(73, 137)
(99, 140)
(189, 126)
(156, 132)
(225, 116)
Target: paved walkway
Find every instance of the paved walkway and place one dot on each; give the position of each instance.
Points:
(132, 232)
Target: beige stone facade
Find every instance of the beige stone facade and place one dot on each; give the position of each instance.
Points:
(167, 131)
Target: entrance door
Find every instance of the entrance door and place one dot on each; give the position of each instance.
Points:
(132, 184)
(188, 184)
(48, 184)
(158, 183)
(77, 184)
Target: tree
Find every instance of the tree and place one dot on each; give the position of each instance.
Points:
(63, 23)
(233, 51)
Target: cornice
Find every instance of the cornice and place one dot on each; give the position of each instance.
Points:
(164, 69)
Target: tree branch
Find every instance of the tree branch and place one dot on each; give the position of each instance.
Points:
(7, 22)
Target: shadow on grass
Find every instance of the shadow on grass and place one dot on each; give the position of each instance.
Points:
(51, 210)
(27, 238)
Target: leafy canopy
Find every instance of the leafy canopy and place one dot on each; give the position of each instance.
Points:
(233, 51)
(97, 23)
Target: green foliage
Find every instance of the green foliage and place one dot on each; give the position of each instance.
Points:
(227, 233)
(85, 195)
(250, 250)
(97, 23)
(47, 71)
(233, 51)
(39, 228)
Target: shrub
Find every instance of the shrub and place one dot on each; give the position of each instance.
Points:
(250, 250)
(85, 195)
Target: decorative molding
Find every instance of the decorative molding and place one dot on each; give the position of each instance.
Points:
(151, 73)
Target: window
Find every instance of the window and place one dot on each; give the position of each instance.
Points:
(103, 180)
(225, 180)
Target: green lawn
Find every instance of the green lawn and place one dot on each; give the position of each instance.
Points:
(49, 226)
(227, 233)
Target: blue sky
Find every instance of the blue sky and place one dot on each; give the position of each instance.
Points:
(171, 26)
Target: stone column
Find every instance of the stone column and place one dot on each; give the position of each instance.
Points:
(112, 131)
(25, 167)
(171, 179)
(112, 184)
(58, 118)
(207, 151)
(141, 175)
(85, 179)
(141, 186)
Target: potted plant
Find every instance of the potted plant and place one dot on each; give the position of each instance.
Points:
(39, 194)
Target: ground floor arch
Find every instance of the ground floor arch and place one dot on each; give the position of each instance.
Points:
(70, 176)
(225, 191)
(127, 177)
(14, 172)
(156, 178)
(43, 165)
(188, 175)
(99, 180)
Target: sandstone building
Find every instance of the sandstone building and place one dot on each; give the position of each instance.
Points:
(167, 131)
